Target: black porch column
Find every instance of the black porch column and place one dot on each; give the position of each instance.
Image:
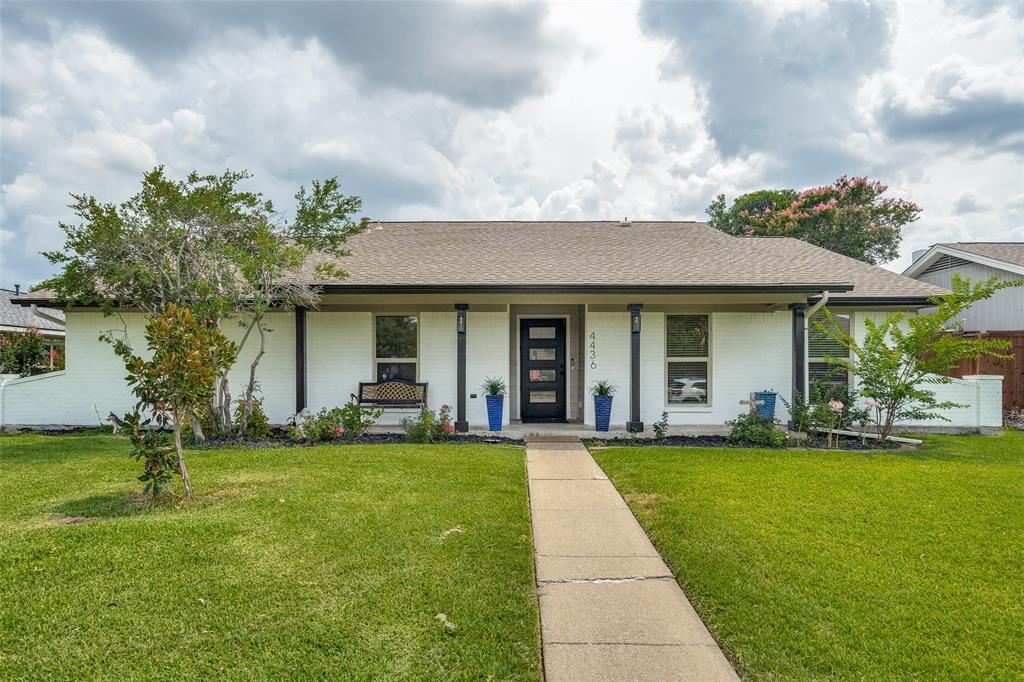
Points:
(799, 352)
(461, 425)
(300, 359)
(634, 425)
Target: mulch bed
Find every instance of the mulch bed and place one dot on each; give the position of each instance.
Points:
(366, 439)
(845, 443)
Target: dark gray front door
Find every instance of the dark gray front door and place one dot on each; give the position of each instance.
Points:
(542, 370)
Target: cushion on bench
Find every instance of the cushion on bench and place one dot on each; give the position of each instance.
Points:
(394, 392)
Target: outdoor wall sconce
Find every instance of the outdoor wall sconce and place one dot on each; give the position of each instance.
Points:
(460, 320)
(634, 319)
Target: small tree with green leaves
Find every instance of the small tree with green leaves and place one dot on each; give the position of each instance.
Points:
(901, 356)
(187, 354)
(206, 244)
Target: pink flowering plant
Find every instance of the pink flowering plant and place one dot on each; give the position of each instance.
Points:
(850, 216)
(428, 426)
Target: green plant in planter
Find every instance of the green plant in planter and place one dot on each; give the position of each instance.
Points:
(603, 387)
(494, 386)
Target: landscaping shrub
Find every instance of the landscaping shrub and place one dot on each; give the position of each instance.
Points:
(661, 426)
(357, 420)
(323, 425)
(752, 429)
(428, 427)
(259, 425)
(22, 353)
(351, 421)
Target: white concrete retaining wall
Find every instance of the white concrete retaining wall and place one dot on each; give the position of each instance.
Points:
(35, 400)
(982, 395)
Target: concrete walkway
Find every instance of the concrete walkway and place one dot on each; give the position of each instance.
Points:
(609, 607)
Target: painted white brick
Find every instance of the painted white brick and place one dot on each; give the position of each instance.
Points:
(487, 355)
(339, 355)
(606, 356)
(276, 371)
(438, 358)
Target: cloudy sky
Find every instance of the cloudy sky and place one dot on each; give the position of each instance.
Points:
(514, 110)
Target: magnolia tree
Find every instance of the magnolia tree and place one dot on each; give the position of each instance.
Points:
(903, 355)
(205, 244)
(850, 216)
(187, 354)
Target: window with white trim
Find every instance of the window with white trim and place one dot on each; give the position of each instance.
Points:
(397, 346)
(688, 359)
(824, 376)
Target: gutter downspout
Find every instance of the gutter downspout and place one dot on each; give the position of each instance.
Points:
(816, 307)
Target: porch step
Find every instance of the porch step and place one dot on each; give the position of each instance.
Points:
(550, 438)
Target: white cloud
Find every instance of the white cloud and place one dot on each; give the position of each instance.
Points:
(514, 111)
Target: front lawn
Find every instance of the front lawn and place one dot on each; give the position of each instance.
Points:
(811, 564)
(331, 561)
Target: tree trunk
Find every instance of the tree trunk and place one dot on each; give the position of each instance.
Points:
(197, 428)
(181, 460)
(225, 404)
(250, 390)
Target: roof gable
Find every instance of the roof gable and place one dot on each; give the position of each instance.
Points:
(1008, 256)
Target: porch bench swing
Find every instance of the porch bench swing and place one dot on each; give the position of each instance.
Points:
(395, 393)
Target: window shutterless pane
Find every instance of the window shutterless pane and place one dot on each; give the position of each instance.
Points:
(824, 373)
(820, 344)
(688, 382)
(542, 332)
(396, 370)
(686, 335)
(396, 336)
(542, 397)
(543, 375)
(542, 354)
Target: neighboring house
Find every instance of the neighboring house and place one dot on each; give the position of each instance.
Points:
(683, 318)
(1001, 316)
(979, 261)
(16, 318)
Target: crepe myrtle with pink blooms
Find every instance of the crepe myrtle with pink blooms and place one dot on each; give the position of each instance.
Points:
(850, 216)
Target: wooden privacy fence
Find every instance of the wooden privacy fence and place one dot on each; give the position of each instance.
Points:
(1012, 370)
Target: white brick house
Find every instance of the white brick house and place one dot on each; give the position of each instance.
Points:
(684, 319)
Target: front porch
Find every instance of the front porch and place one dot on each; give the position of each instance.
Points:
(692, 357)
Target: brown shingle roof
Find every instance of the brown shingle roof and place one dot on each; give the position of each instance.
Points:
(645, 254)
(603, 253)
(1008, 252)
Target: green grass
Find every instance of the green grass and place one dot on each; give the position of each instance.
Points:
(292, 563)
(813, 565)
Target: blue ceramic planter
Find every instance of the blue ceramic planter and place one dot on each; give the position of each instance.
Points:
(495, 406)
(767, 408)
(602, 411)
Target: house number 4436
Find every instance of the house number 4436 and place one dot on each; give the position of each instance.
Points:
(592, 350)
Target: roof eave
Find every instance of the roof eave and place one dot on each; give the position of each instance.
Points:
(877, 301)
(810, 288)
